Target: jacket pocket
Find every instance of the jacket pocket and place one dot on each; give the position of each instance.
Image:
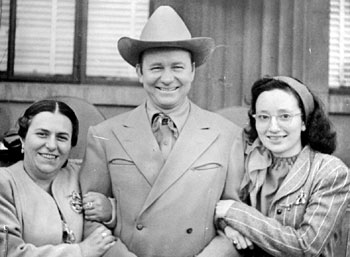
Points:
(4, 241)
(207, 166)
(121, 161)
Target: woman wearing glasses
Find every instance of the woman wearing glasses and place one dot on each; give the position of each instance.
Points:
(297, 192)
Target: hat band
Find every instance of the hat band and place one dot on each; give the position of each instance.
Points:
(304, 94)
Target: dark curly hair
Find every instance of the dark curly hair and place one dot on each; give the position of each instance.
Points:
(319, 134)
(48, 106)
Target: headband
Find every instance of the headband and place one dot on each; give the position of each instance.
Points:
(304, 94)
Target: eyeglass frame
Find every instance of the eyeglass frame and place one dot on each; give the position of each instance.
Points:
(278, 119)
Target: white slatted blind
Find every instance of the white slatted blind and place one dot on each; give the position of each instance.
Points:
(44, 37)
(108, 21)
(339, 43)
(4, 30)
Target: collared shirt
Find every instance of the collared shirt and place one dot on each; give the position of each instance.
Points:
(178, 116)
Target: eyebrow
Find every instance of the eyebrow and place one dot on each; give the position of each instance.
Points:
(155, 63)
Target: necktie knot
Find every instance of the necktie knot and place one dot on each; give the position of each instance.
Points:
(165, 120)
(165, 132)
(161, 119)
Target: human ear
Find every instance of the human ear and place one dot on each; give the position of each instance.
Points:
(139, 72)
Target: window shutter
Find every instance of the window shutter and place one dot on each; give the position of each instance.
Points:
(108, 20)
(4, 30)
(339, 43)
(44, 37)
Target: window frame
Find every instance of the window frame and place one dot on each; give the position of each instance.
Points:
(78, 75)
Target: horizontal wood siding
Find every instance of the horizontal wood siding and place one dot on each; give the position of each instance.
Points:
(253, 39)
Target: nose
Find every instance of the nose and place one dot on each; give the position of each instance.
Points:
(273, 126)
(51, 143)
(167, 76)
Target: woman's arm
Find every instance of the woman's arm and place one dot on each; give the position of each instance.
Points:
(325, 208)
(9, 217)
(14, 243)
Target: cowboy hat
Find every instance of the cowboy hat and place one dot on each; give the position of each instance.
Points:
(165, 28)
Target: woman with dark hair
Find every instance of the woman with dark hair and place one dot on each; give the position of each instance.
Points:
(41, 208)
(297, 193)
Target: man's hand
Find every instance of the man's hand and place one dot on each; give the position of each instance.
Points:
(97, 207)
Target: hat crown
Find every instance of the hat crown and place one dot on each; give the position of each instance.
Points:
(165, 29)
(165, 25)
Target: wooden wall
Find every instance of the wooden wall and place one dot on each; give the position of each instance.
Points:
(256, 38)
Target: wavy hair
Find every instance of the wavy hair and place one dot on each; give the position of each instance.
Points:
(319, 134)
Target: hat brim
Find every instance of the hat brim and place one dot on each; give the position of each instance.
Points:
(200, 48)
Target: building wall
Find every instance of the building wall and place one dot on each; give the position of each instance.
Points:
(342, 125)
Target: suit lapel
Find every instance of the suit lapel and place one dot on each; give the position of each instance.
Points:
(194, 139)
(296, 177)
(136, 136)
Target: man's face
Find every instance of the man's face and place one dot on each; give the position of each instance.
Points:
(166, 76)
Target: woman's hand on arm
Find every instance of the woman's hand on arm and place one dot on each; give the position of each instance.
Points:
(97, 243)
(239, 241)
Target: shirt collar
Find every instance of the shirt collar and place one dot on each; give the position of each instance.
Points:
(178, 115)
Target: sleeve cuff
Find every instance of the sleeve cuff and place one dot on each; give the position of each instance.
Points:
(221, 224)
(113, 221)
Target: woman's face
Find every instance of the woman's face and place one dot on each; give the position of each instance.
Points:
(280, 124)
(47, 144)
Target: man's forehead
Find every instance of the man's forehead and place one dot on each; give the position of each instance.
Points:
(166, 51)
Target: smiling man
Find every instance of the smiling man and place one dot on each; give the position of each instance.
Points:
(167, 162)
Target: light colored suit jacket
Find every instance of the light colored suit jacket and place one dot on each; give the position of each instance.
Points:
(306, 211)
(31, 215)
(168, 210)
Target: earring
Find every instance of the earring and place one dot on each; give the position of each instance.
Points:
(303, 127)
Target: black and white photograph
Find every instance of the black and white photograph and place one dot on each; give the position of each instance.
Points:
(174, 128)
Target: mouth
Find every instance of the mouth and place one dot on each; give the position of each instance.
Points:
(167, 89)
(48, 156)
(275, 138)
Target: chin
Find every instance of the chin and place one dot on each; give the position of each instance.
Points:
(277, 151)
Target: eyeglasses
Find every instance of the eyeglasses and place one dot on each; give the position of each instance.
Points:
(283, 119)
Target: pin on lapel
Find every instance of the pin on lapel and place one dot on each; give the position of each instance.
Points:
(76, 202)
(301, 200)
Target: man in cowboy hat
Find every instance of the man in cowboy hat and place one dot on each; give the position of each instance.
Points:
(167, 162)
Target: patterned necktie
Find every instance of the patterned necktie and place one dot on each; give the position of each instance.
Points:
(165, 132)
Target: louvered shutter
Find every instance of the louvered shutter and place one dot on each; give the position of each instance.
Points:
(339, 43)
(4, 30)
(108, 21)
(44, 37)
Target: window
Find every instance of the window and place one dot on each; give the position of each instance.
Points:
(68, 41)
(339, 44)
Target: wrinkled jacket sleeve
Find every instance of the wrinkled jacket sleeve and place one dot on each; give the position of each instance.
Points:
(11, 238)
(220, 245)
(325, 209)
(94, 176)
